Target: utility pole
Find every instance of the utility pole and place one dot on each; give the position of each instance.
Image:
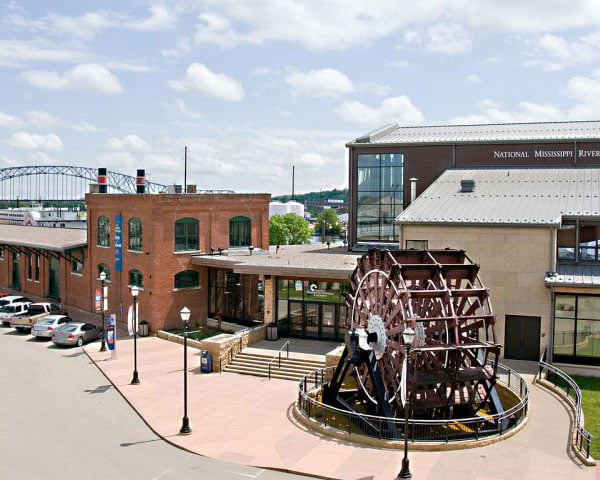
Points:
(293, 179)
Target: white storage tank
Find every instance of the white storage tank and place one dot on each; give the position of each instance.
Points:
(295, 207)
(277, 208)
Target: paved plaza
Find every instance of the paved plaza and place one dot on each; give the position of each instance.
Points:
(248, 420)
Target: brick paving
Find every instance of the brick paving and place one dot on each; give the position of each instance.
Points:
(248, 420)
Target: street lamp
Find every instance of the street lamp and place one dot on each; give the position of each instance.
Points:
(185, 318)
(134, 293)
(102, 280)
(408, 336)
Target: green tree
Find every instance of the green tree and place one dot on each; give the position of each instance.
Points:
(289, 229)
(330, 219)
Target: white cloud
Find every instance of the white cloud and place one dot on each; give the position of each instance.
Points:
(490, 111)
(33, 142)
(393, 109)
(16, 52)
(127, 66)
(182, 108)
(182, 46)
(553, 52)
(199, 79)
(473, 78)
(10, 121)
(161, 18)
(326, 82)
(445, 38)
(311, 159)
(42, 119)
(129, 143)
(88, 76)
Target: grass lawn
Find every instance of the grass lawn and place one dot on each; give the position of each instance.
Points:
(590, 390)
(199, 334)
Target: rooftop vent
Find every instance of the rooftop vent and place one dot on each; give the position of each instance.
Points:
(467, 186)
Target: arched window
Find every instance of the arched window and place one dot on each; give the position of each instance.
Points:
(103, 231)
(136, 278)
(103, 267)
(187, 231)
(135, 234)
(187, 279)
(240, 232)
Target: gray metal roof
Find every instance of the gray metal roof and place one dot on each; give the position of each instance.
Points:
(507, 196)
(496, 132)
(570, 275)
(44, 238)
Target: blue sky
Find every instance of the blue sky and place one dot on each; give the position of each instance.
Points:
(253, 87)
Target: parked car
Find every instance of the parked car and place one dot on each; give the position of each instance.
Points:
(47, 326)
(8, 312)
(35, 312)
(8, 300)
(76, 333)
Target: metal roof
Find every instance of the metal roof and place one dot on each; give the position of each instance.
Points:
(44, 238)
(571, 275)
(507, 196)
(495, 132)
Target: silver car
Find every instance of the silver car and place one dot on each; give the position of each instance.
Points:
(76, 333)
(46, 327)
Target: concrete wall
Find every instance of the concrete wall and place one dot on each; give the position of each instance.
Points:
(513, 265)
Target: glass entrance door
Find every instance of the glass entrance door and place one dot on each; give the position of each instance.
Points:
(312, 320)
(328, 321)
(296, 317)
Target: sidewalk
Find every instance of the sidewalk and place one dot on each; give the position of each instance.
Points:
(248, 420)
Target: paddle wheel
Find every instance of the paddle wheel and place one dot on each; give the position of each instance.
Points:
(451, 371)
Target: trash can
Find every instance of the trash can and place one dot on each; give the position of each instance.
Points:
(272, 331)
(143, 328)
(206, 362)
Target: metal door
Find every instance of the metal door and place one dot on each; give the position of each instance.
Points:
(522, 337)
(53, 278)
(16, 278)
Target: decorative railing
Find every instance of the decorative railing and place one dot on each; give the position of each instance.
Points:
(582, 439)
(443, 430)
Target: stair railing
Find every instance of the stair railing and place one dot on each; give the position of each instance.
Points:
(230, 354)
(277, 356)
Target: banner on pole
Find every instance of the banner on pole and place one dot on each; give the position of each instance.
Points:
(130, 326)
(98, 300)
(118, 243)
(105, 298)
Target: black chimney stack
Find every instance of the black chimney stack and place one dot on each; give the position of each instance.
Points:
(102, 181)
(140, 181)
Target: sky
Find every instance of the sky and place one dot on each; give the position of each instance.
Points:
(253, 87)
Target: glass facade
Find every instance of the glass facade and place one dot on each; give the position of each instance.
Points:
(311, 308)
(379, 196)
(234, 297)
(577, 329)
(578, 242)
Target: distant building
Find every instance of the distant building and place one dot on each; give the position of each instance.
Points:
(281, 208)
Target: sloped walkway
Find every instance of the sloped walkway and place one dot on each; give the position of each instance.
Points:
(248, 420)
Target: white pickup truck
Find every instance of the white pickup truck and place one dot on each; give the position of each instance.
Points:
(7, 312)
(35, 312)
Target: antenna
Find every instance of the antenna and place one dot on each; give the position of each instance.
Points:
(293, 179)
(185, 169)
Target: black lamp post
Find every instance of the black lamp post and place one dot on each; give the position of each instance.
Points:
(408, 335)
(185, 317)
(134, 293)
(251, 247)
(102, 280)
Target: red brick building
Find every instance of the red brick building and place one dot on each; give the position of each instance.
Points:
(159, 234)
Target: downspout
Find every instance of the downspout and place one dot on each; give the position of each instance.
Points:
(553, 241)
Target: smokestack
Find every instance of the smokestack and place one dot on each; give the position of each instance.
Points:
(140, 181)
(413, 189)
(102, 181)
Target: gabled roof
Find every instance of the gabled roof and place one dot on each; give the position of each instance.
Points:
(44, 238)
(495, 132)
(507, 196)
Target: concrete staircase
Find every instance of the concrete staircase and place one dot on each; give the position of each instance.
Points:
(257, 365)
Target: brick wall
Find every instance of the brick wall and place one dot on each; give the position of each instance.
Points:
(159, 301)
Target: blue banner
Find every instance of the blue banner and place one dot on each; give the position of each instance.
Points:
(119, 243)
(111, 332)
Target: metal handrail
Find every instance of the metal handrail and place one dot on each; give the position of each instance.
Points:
(419, 430)
(229, 353)
(583, 439)
(286, 345)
